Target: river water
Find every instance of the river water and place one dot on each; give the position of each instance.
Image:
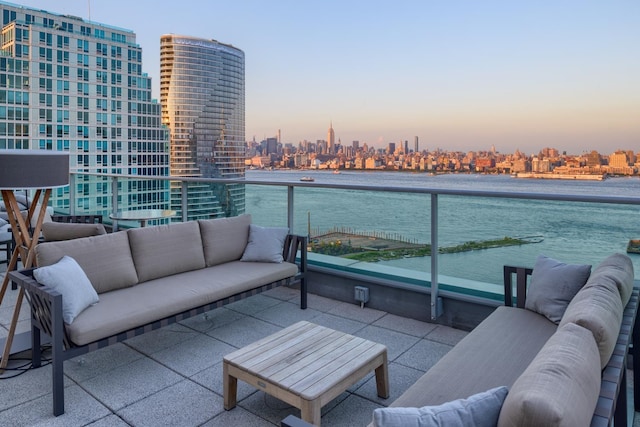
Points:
(582, 233)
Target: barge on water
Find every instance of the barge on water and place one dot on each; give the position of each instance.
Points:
(569, 176)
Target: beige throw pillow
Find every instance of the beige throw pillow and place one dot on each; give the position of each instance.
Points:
(561, 385)
(553, 285)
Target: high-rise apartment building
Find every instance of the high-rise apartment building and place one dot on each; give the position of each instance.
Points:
(202, 93)
(69, 84)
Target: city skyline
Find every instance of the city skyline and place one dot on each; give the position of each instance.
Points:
(460, 76)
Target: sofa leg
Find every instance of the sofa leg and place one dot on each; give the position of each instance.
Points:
(36, 351)
(58, 380)
(57, 358)
(303, 293)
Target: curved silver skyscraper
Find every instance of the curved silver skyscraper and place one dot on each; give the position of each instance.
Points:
(202, 93)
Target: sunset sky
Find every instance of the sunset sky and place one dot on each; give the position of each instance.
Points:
(459, 74)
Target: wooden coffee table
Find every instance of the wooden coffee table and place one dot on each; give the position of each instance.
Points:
(305, 365)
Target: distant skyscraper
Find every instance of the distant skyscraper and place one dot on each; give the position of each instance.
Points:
(331, 139)
(416, 148)
(202, 92)
(272, 145)
(78, 86)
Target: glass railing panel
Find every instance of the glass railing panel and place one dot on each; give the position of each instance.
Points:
(267, 205)
(571, 231)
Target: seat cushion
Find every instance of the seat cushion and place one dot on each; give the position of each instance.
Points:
(224, 239)
(484, 359)
(147, 302)
(164, 250)
(560, 387)
(105, 259)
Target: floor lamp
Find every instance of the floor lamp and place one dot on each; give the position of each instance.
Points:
(39, 170)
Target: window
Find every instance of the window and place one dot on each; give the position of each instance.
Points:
(46, 99)
(62, 57)
(62, 86)
(62, 42)
(62, 71)
(62, 101)
(62, 116)
(83, 74)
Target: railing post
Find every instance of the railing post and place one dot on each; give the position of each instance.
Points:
(434, 257)
(183, 199)
(290, 208)
(72, 194)
(114, 200)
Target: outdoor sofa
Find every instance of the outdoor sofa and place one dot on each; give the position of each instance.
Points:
(558, 358)
(146, 278)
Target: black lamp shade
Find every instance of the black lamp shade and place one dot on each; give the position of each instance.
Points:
(22, 169)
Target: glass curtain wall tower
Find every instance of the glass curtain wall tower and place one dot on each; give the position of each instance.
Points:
(69, 84)
(202, 93)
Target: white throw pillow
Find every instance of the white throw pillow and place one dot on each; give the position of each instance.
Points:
(67, 277)
(265, 244)
(479, 410)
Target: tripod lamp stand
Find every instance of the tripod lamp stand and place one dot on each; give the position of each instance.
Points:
(39, 170)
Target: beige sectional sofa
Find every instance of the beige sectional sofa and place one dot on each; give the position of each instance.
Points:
(145, 278)
(569, 371)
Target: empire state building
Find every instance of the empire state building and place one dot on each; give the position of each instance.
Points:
(331, 139)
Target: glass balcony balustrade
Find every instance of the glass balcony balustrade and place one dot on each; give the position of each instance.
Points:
(384, 234)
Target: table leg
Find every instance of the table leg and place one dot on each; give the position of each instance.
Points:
(310, 411)
(382, 378)
(230, 388)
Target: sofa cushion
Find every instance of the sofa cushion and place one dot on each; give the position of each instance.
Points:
(156, 299)
(617, 270)
(598, 307)
(164, 250)
(553, 285)
(106, 259)
(265, 244)
(67, 278)
(224, 239)
(561, 385)
(54, 231)
(479, 410)
(484, 359)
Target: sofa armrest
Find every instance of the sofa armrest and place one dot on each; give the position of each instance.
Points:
(522, 274)
(292, 245)
(45, 305)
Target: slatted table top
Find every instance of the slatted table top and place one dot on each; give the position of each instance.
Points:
(307, 359)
